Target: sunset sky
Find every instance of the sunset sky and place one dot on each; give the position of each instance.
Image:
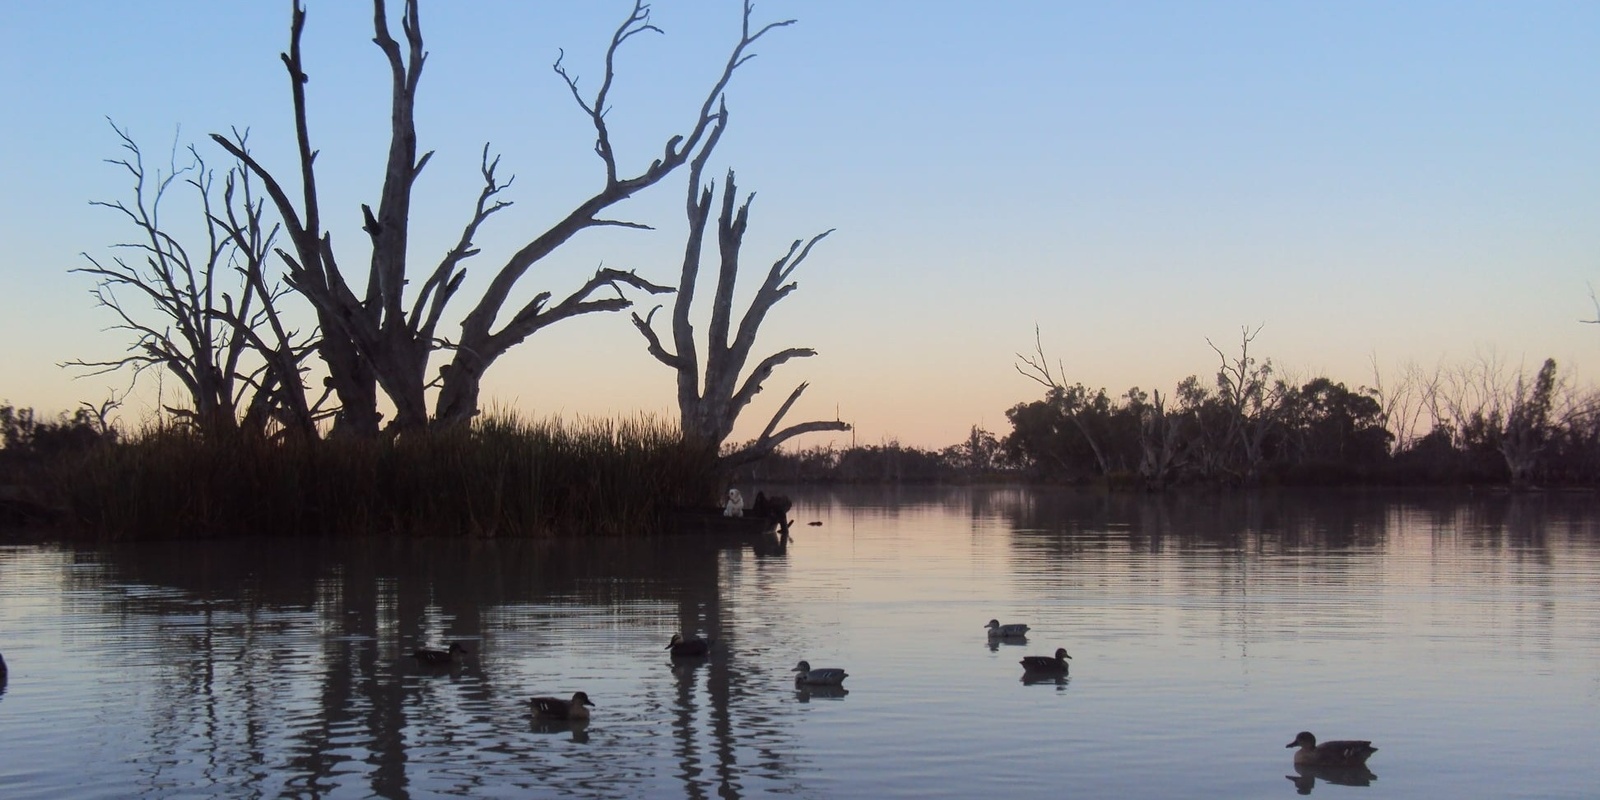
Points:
(1369, 182)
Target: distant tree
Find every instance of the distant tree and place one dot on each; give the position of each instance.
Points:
(1043, 439)
(1403, 404)
(889, 463)
(1160, 437)
(713, 391)
(980, 453)
(1251, 401)
(1498, 418)
(1528, 426)
(385, 334)
(24, 435)
(1089, 411)
(1326, 422)
(1208, 428)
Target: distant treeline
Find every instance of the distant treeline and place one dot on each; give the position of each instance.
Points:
(1451, 427)
(501, 476)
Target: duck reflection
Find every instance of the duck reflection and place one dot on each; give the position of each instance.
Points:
(1044, 679)
(804, 692)
(579, 728)
(995, 643)
(1306, 776)
(684, 667)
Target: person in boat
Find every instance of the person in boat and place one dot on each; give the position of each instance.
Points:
(775, 507)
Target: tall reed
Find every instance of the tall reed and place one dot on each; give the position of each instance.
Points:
(503, 476)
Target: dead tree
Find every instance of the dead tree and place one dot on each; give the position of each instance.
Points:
(380, 338)
(1252, 399)
(1160, 442)
(712, 394)
(238, 361)
(1074, 400)
(1402, 407)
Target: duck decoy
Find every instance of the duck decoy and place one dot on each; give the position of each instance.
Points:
(824, 676)
(1053, 665)
(1013, 631)
(434, 657)
(1347, 753)
(556, 708)
(687, 648)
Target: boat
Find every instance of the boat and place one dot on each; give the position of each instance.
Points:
(711, 521)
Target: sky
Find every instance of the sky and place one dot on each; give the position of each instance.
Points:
(1372, 184)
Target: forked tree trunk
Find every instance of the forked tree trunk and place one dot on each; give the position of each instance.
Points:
(714, 390)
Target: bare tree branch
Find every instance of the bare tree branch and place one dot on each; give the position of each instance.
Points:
(206, 335)
(480, 343)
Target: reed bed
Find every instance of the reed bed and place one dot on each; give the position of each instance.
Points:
(501, 477)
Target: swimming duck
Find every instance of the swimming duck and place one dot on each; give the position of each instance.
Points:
(434, 657)
(1012, 631)
(556, 708)
(682, 647)
(1056, 664)
(824, 676)
(1330, 754)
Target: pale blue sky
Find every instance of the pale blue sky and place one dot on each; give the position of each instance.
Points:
(1408, 181)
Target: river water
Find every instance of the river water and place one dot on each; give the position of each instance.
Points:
(1460, 633)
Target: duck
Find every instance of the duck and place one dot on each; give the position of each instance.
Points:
(824, 676)
(2, 669)
(1013, 631)
(1346, 753)
(682, 647)
(556, 708)
(1056, 664)
(435, 657)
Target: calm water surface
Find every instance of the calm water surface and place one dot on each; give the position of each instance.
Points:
(1461, 635)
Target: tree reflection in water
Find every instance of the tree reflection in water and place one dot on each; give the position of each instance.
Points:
(296, 654)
